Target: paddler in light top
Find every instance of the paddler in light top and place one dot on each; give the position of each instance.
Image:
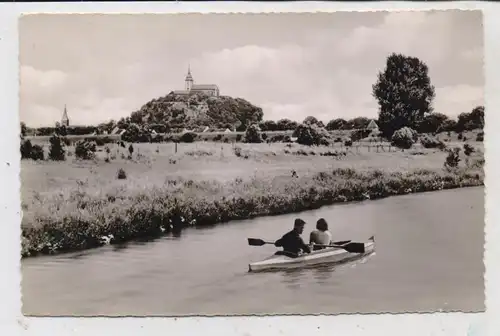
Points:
(291, 242)
(320, 236)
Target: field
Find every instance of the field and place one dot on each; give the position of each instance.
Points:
(72, 204)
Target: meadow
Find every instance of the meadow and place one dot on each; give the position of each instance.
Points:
(163, 187)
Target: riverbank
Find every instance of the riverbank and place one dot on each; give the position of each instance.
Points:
(68, 216)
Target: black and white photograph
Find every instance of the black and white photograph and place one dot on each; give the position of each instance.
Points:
(252, 164)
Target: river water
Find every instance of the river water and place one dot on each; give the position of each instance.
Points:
(429, 257)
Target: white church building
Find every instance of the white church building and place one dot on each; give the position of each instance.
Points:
(191, 87)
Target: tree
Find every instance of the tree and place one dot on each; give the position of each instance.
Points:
(404, 93)
(286, 124)
(432, 122)
(253, 135)
(477, 117)
(469, 121)
(335, 124)
(56, 149)
(311, 135)
(310, 120)
(24, 129)
(359, 122)
(268, 125)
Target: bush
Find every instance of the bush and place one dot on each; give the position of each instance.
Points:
(188, 137)
(404, 138)
(460, 136)
(135, 133)
(252, 134)
(453, 158)
(264, 136)
(85, 150)
(480, 136)
(26, 148)
(121, 174)
(311, 135)
(37, 153)
(431, 142)
(29, 151)
(348, 143)
(239, 137)
(56, 150)
(468, 149)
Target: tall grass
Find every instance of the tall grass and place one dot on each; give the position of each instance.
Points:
(78, 217)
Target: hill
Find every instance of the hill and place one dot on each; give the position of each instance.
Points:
(198, 110)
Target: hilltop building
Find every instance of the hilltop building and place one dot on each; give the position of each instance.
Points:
(191, 87)
(65, 119)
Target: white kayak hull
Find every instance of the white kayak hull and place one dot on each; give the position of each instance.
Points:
(315, 258)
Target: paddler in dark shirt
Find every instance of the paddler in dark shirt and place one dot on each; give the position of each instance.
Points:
(291, 242)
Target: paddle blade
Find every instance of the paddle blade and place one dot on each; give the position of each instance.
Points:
(256, 242)
(354, 247)
(342, 242)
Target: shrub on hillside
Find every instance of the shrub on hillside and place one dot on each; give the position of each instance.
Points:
(431, 142)
(348, 143)
(311, 135)
(404, 138)
(252, 134)
(85, 150)
(56, 149)
(188, 137)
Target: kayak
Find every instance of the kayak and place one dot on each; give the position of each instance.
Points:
(330, 255)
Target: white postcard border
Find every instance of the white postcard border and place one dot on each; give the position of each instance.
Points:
(13, 323)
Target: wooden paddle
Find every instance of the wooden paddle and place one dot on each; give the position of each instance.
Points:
(349, 247)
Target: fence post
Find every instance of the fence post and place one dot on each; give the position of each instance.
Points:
(176, 147)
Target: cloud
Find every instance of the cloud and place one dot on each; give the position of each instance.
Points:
(453, 100)
(291, 66)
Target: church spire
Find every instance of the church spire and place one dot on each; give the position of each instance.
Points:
(65, 119)
(189, 79)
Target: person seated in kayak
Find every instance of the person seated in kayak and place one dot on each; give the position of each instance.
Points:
(291, 242)
(321, 235)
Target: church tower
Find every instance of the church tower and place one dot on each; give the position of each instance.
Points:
(65, 119)
(189, 79)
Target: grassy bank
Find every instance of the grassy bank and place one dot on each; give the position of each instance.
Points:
(71, 205)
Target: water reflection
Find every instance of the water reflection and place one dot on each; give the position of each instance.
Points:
(293, 277)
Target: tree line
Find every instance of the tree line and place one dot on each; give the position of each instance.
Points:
(403, 91)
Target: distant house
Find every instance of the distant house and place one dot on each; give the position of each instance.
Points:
(227, 130)
(372, 126)
(206, 129)
(190, 87)
(115, 130)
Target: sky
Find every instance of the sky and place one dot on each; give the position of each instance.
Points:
(291, 65)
